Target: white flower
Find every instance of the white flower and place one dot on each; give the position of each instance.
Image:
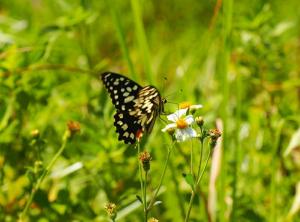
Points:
(181, 124)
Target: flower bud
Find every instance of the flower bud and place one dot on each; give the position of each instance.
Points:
(35, 134)
(199, 120)
(145, 158)
(38, 167)
(152, 219)
(170, 131)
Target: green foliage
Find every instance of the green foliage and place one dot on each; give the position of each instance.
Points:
(240, 61)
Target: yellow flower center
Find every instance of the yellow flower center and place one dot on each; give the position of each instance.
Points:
(185, 105)
(181, 124)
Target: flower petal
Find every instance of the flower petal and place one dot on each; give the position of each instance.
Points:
(189, 119)
(184, 134)
(197, 106)
(179, 135)
(169, 126)
(175, 116)
(191, 132)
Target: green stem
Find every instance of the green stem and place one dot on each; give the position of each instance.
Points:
(192, 157)
(44, 174)
(141, 178)
(145, 197)
(190, 207)
(202, 173)
(201, 153)
(198, 180)
(161, 179)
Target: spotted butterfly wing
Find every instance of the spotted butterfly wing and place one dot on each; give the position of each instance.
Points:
(137, 107)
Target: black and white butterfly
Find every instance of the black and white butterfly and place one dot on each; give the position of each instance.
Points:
(137, 107)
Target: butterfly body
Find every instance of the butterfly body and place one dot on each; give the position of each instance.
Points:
(137, 107)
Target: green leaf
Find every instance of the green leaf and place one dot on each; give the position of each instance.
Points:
(189, 179)
(139, 199)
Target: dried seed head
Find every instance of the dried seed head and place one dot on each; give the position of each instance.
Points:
(145, 159)
(214, 134)
(111, 210)
(73, 127)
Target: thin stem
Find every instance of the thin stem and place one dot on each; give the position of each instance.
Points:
(161, 179)
(140, 171)
(205, 165)
(192, 157)
(201, 153)
(190, 206)
(145, 197)
(199, 177)
(44, 174)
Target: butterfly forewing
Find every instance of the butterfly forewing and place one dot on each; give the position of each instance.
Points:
(122, 90)
(137, 107)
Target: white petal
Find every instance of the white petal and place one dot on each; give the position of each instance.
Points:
(197, 106)
(189, 119)
(191, 132)
(169, 126)
(179, 135)
(175, 116)
(184, 134)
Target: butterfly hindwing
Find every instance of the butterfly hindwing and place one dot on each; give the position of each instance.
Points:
(126, 126)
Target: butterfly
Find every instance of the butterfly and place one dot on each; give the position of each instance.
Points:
(137, 107)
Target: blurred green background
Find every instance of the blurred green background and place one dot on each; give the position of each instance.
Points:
(240, 59)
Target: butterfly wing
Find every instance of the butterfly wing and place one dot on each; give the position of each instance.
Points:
(122, 90)
(137, 107)
(126, 126)
(147, 107)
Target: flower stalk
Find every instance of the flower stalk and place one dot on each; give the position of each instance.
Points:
(72, 130)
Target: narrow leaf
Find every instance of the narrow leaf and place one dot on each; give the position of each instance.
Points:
(189, 179)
